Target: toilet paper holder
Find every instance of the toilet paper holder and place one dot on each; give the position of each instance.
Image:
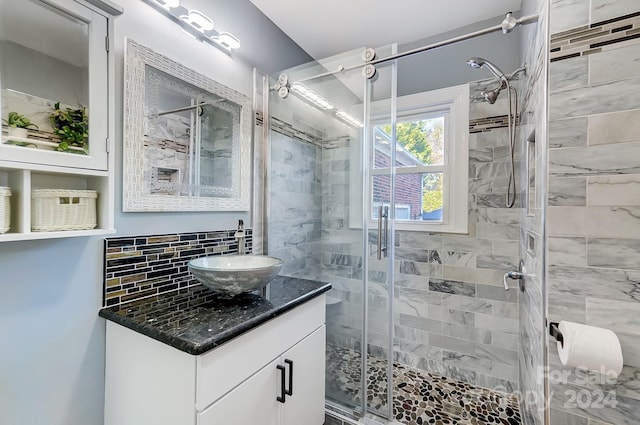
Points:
(554, 331)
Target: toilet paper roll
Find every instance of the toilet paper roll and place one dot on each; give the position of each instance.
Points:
(590, 347)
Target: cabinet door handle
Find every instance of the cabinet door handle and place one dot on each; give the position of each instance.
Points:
(290, 390)
(282, 398)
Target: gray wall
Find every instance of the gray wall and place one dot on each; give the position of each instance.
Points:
(52, 341)
(263, 45)
(446, 66)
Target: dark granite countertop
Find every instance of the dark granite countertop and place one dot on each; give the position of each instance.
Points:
(195, 320)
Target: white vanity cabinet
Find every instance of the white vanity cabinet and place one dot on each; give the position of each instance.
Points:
(265, 389)
(244, 381)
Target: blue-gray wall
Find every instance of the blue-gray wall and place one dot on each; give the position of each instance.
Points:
(51, 339)
(446, 66)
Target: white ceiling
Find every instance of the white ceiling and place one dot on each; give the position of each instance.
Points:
(327, 27)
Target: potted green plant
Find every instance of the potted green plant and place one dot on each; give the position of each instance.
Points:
(72, 126)
(18, 124)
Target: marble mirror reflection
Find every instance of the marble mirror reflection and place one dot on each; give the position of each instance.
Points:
(186, 138)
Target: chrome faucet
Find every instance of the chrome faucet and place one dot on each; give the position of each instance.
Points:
(240, 237)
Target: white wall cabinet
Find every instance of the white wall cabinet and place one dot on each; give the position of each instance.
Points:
(238, 383)
(55, 51)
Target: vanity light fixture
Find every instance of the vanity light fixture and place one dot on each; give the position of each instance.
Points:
(227, 40)
(311, 96)
(348, 118)
(198, 20)
(168, 4)
(196, 24)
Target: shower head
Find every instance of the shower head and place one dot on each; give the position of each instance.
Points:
(492, 95)
(477, 63)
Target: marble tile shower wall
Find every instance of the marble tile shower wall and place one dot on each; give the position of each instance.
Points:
(309, 227)
(453, 316)
(341, 251)
(532, 137)
(295, 210)
(593, 219)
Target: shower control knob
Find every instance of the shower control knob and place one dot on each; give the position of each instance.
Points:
(512, 274)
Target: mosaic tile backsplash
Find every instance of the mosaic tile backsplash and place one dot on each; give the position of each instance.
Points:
(141, 266)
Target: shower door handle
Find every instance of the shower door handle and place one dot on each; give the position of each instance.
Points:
(385, 217)
(383, 214)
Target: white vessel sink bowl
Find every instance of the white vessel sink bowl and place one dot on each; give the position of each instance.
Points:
(232, 275)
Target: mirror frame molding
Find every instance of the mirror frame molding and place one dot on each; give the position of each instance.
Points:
(137, 57)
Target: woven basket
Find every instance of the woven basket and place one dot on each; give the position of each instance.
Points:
(5, 209)
(57, 209)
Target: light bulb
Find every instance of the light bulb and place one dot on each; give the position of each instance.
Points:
(229, 40)
(198, 20)
(168, 4)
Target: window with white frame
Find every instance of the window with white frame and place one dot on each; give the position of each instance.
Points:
(431, 161)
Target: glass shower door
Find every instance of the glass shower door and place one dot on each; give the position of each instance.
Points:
(378, 217)
(329, 215)
(314, 204)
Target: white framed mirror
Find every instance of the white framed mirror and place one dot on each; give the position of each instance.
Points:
(187, 138)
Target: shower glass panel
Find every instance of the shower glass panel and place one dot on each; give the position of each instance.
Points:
(314, 205)
(329, 213)
(379, 215)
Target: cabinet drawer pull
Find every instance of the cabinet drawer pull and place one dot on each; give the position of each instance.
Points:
(282, 398)
(290, 363)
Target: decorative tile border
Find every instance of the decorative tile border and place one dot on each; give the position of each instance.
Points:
(286, 129)
(289, 130)
(596, 37)
(338, 142)
(475, 126)
(480, 125)
(142, 266)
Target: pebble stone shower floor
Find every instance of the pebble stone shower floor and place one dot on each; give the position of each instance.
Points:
(419, 397)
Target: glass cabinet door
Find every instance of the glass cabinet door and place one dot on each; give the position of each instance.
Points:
(53, 81)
